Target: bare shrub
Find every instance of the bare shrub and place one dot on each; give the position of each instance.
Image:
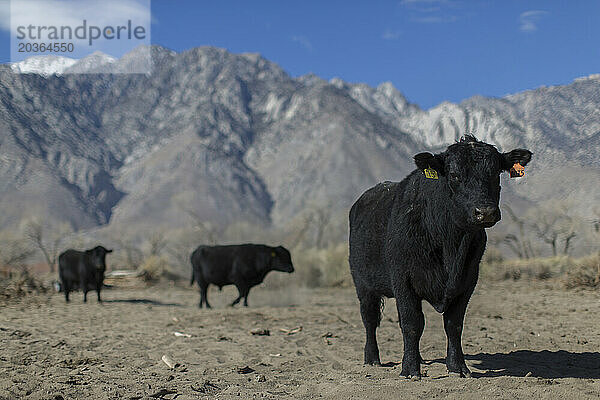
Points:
(156, 267)
(492, 255)
(323, 267)
(528, 269)
(585, 273)
(20, 285)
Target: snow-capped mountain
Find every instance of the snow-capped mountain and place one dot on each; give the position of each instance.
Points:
(44, 65)
(58, 65)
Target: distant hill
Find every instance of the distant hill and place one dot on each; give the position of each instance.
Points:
(232, 137)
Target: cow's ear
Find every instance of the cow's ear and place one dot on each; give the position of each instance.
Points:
(517, 156)
(109, 251)
(428, 160)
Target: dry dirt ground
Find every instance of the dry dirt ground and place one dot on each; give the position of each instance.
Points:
(522, 340)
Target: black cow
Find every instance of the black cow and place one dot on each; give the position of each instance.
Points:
(422, 239)
(82, 270)
(243, 265)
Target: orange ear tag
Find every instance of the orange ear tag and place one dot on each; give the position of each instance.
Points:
(517, 170)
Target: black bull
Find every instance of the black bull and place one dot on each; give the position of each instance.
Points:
(82, 270)
(243, 265)
(422, 239)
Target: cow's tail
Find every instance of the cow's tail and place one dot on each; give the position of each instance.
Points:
(196, 252)
(193, 266)
(193, 269)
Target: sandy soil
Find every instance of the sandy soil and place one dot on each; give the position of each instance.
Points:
(522, 340)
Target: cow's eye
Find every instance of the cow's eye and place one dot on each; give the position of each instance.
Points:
(454, 177)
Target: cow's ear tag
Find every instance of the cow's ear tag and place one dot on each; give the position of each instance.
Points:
(430, 173)
(517, 170)
(272, 254)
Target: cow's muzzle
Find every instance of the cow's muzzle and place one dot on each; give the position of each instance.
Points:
(486, 216)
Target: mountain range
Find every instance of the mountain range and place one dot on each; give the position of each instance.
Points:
(233, 137)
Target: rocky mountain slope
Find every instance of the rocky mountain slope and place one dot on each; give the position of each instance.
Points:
(232, 137)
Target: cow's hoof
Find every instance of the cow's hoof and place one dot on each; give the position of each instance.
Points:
(375, 363)
(461, 372)
(415, 376)
(411, 373)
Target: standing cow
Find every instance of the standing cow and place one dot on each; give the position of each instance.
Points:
(242, 265)
(83, 270)
(422, 239)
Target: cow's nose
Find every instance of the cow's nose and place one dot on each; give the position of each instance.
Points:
(486, 214)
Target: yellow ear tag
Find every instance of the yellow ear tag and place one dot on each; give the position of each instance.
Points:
(272, 254)
(430, 173)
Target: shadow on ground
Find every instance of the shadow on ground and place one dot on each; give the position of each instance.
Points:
(541, 364)
(142, 301)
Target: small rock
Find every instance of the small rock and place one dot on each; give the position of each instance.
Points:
(261, 378)
(244, 370)
(260, 332)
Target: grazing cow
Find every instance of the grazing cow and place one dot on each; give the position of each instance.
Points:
(82, 270)
(422, 239)
(243, 265)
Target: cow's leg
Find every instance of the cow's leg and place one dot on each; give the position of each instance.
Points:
(455, 314)
(453, 325)
(66, 289)
(412, 323)
(98, 288)
(85, 295)
(242, 292)
(245, 294)
(203, 293)
(370, 311)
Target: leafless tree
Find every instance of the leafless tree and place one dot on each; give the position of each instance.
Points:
(157, 243)
(315, 220)
(14, 251)
(596, 219)
(518, 243)
(133, 253)
(48, 243)
(209, 232)
(545, 226)
(552, 223)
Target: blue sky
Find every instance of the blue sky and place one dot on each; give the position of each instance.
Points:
(431, 50)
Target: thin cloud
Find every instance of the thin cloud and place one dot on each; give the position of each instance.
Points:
(70, 12)
(303, 41)
(391, 35)
(430, 11)
(528, 20)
